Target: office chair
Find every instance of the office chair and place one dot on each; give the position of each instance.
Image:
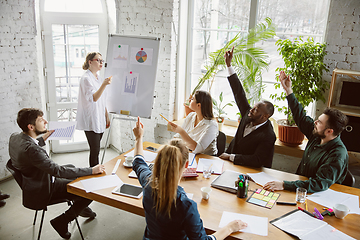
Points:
(349, 179)
(220, 143)
(18, 178)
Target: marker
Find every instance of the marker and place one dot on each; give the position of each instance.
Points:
(116, 167)
(309, 213)
(164, 118)
(286, 203)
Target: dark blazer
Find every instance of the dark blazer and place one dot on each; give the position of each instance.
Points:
(257, 148)
(37, 169)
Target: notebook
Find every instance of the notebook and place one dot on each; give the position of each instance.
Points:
(226, 181)
(303, 226)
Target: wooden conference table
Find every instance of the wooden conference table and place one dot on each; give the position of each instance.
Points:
(211, 210)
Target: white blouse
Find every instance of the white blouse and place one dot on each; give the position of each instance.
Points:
(204, 134)
(91, 115)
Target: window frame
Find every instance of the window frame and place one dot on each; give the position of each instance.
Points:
(254, 8)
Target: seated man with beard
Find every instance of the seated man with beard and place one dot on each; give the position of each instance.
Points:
(325, 159)
(253, 144)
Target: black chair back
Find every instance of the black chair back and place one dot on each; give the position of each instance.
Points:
(220, 143)
(349, 179)
(16, 173)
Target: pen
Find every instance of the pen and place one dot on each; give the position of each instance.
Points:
(164, 118)
(286, 203)
(309, 213)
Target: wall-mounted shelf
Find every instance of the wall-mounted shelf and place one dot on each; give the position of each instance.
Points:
(335, 89)
(351, 135)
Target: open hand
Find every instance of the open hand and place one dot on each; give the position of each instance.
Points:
(98, 169)
(274, 185)
(237, 225)
(285, 82)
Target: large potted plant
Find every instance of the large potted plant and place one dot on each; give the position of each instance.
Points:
(249, 61)
(219, 111)
(304, 62)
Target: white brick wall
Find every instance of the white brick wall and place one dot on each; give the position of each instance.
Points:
(343, 36)
(19, 84)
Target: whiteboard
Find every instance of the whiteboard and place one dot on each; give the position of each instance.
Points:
(132, 63)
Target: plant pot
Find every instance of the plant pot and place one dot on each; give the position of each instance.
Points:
(220, 122)
(187, 110)
(289, 135)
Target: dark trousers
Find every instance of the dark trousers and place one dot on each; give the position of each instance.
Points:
(59, 192)
(93, 139)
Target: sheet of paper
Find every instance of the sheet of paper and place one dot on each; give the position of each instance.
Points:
(63, 130)
(328, 232)
(330, 197)
(256, 225)
(261, 178)
(149, 156)
(217, 165)
(192, 161)
(98, 183)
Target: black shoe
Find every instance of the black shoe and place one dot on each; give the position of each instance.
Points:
(87, 213)
(60, 224)
(2, 203)
(4, 196)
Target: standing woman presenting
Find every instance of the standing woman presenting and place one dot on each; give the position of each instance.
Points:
(92, 115)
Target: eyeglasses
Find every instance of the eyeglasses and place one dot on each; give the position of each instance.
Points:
(98, 60)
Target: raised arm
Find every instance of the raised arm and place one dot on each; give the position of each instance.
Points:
(138, 132)
(236, 87)
(304, 123)
(100, 91)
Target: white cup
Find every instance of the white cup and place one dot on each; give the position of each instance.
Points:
(300, 195)
(129, 160)
(341, 210)
(205, 192)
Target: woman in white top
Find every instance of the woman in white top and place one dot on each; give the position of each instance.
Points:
(92, 115)
(199, 130)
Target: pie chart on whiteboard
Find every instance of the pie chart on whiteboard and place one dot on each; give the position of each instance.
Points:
(141, 56)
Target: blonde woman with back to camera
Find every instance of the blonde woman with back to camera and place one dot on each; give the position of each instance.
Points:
(92, 115)
(169, 213)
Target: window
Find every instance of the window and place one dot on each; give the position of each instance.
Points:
(214, 23)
